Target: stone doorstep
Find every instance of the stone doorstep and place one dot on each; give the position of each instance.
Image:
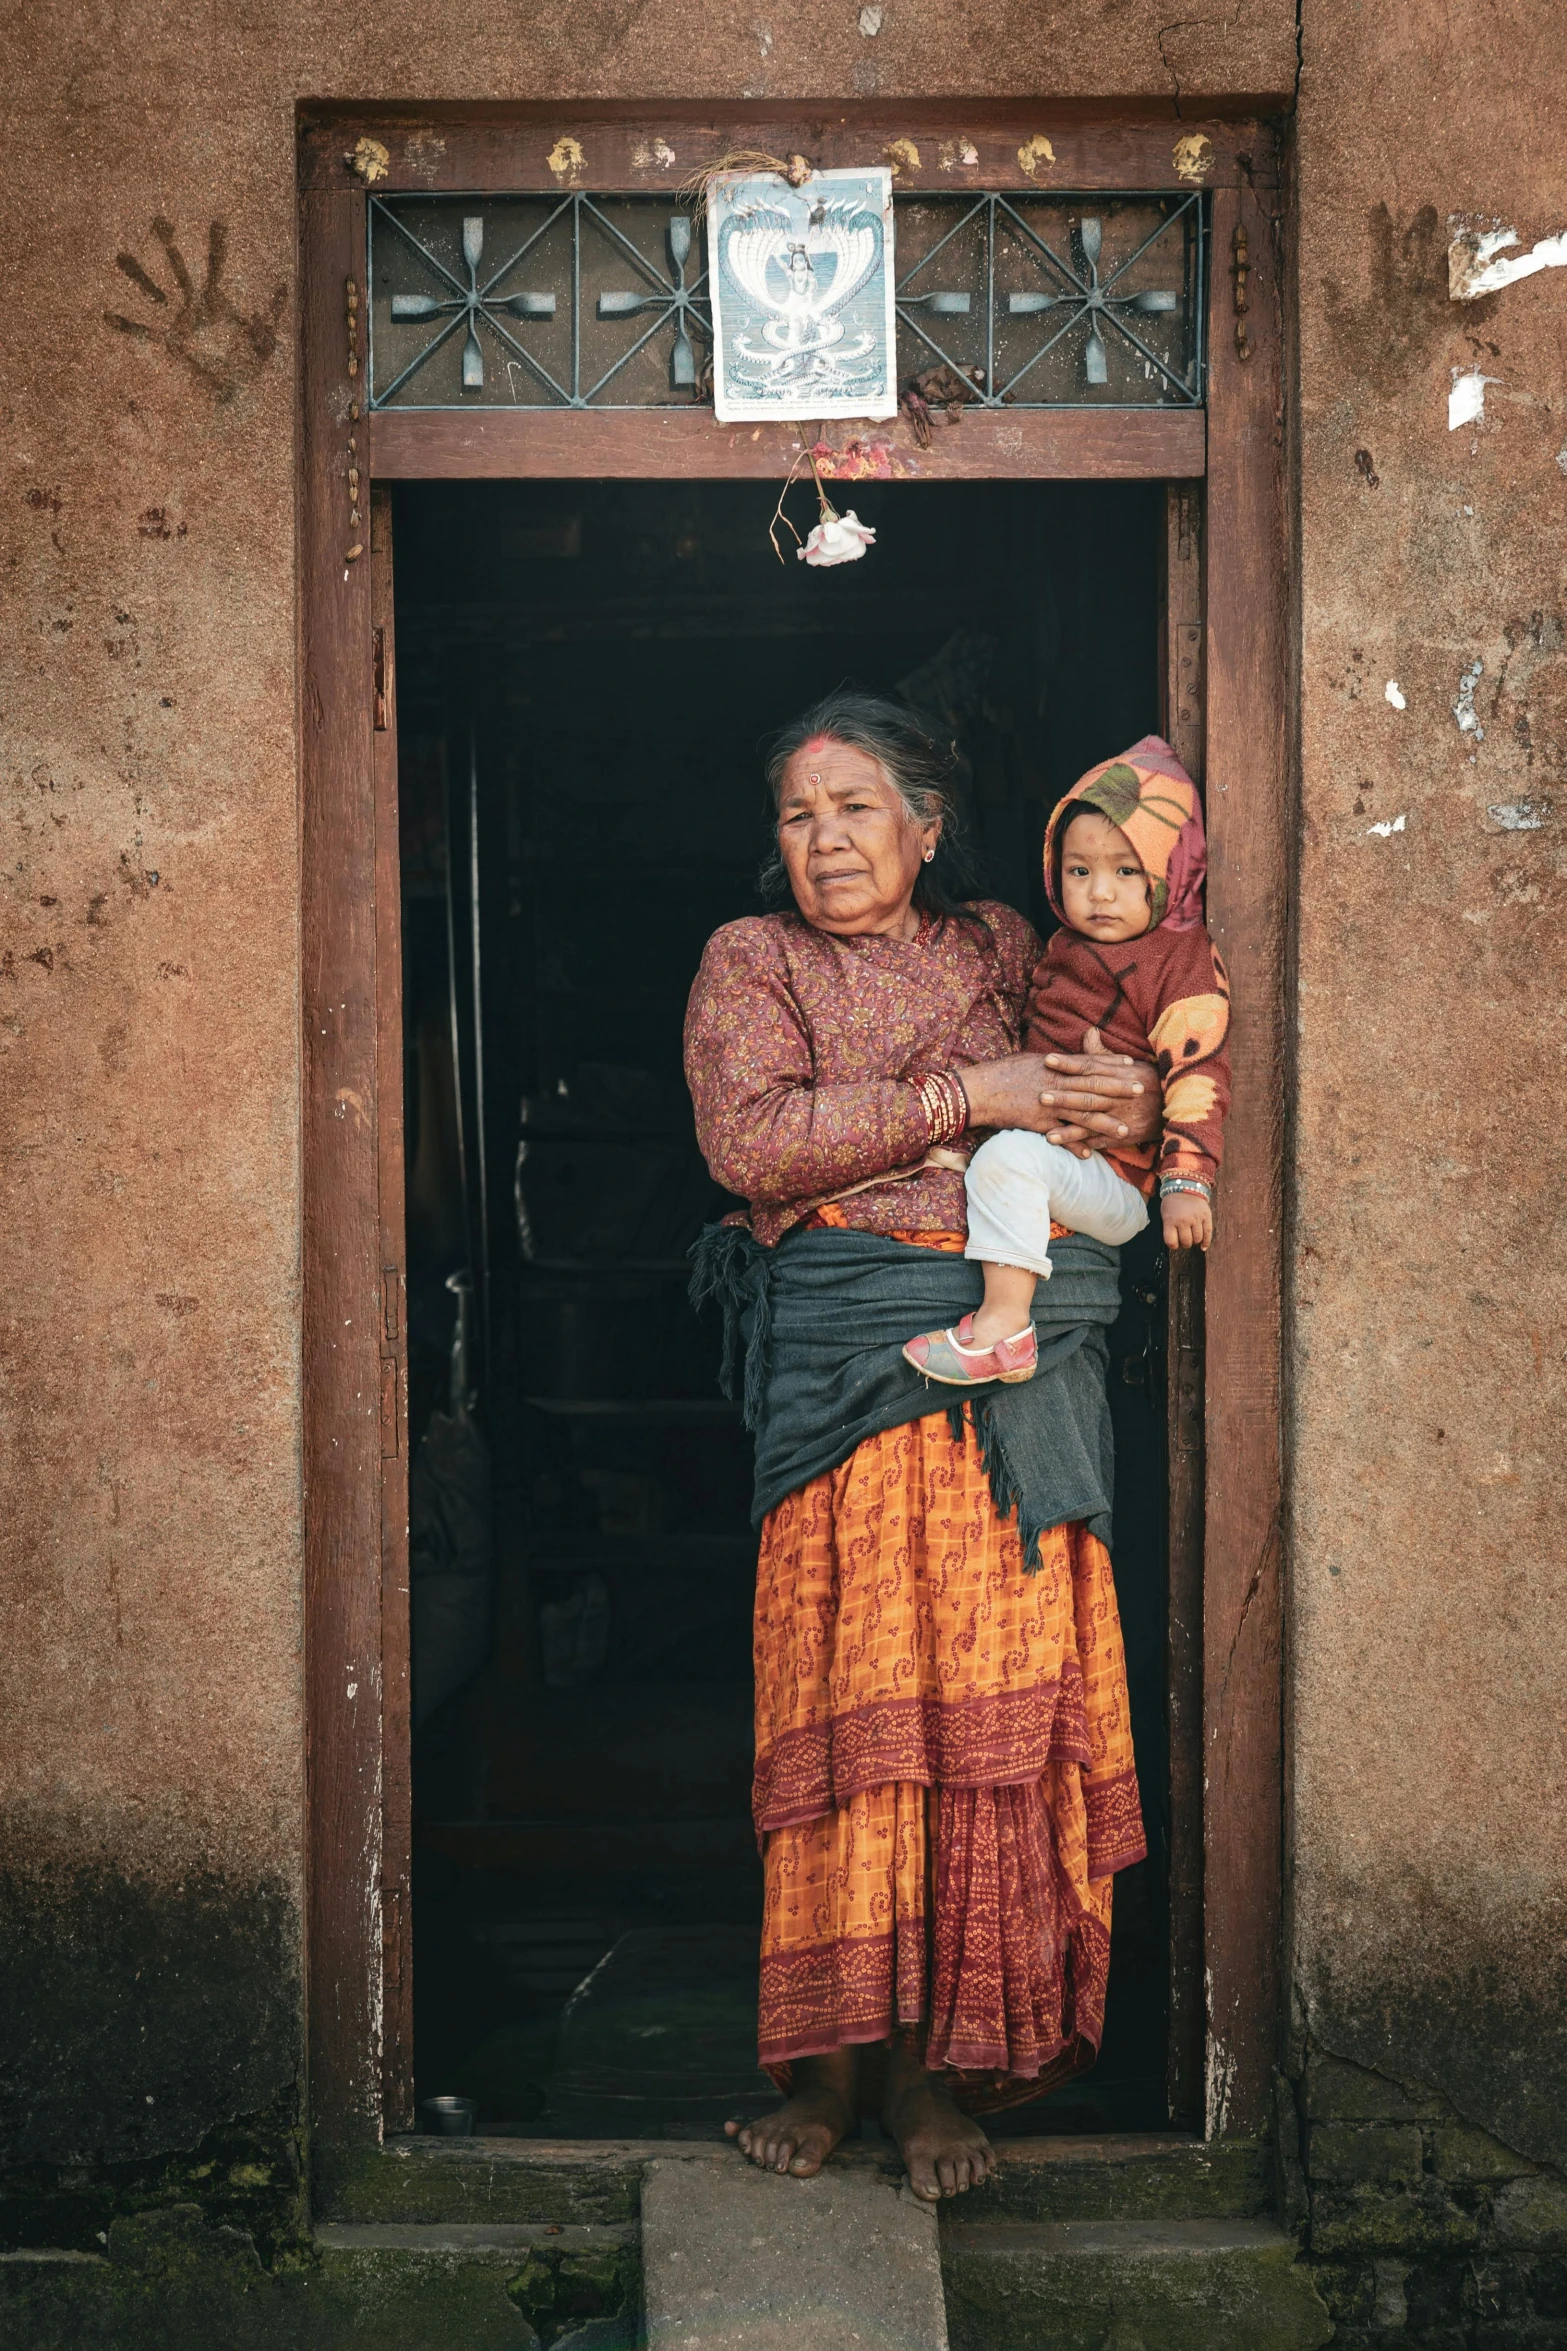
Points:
(732, 2257)
(1153, 2243)
(576, 2283)
(1206, 2284)
(427, 2181)
(21, 2256)
(1058, 2240)
(501, 2241)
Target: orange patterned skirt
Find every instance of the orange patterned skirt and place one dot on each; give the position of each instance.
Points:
(944, 1775)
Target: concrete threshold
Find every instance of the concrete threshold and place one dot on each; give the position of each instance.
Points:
(735, 2259)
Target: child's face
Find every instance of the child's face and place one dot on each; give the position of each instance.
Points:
(1104, 887)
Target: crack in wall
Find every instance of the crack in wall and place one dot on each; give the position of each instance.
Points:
(1183, 24)
(1415, 2086)
(1269, 1551)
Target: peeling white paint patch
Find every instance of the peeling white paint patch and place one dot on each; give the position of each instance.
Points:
(1520, 816)
(1386, 830)
(1464, 708)
(423, 154)
(871, 22)
(1393, 692)
(1473, 269)
(1220, 2072)
(1466, 400)
(353, 1689)
(958, 152)
(659, 156)
(1391, 2307)
(1561, 458)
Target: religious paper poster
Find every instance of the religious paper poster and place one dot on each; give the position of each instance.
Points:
(802, 289)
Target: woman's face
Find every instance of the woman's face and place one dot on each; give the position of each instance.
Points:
(850, 848)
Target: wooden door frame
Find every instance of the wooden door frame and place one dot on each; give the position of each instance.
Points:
(1226, 673)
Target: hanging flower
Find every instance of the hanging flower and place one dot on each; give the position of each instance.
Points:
(837, 538)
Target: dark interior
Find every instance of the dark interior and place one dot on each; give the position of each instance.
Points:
(587, 675)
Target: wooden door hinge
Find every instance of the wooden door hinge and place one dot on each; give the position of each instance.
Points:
(1240, 271)
(391, 1418)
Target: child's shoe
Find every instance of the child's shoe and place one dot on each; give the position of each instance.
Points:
(949, 1357)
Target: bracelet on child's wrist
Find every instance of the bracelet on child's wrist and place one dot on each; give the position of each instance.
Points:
(1169, 1184)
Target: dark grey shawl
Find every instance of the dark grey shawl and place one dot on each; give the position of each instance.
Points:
(822, 1319)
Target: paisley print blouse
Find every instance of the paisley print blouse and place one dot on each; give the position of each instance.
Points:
(803, 1053)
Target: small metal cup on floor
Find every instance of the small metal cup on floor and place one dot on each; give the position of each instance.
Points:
(452, 2118)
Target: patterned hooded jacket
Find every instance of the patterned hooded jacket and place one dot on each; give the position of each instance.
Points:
(1163, 997)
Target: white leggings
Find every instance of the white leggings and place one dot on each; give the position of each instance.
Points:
(1018, 1184)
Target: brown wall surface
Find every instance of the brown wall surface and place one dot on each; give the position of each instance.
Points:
(1427, 1604)
(152, 1761)
(152, 1753)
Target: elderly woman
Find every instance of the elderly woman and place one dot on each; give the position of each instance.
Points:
(944, 1777)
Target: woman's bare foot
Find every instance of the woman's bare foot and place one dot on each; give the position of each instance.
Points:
(800, 2136)
(944, 2151)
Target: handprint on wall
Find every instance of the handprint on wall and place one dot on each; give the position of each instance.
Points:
(1404, 314)
(207, 332)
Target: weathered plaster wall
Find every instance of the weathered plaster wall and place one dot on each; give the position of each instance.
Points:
(151, 1755)
(152, 1749)
(1428, 1603)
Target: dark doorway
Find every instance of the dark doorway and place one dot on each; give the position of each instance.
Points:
(587, 673)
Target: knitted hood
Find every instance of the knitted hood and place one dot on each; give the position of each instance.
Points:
(1148, 793)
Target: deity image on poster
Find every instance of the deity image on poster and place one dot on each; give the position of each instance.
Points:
(802, 288)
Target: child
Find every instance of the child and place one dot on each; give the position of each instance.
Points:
(1124, 865)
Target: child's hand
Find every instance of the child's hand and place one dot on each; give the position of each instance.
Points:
(1188, 1220)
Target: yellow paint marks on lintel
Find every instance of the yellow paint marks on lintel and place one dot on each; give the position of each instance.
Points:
(369, 161)
(1192, 157)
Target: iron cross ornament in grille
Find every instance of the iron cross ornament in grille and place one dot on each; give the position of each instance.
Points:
(676, 303)
(1097, 304)
(468, 305)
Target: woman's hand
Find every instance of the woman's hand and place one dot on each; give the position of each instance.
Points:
(1084, 1100)
(1095, 1097)
(1010, 1093)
